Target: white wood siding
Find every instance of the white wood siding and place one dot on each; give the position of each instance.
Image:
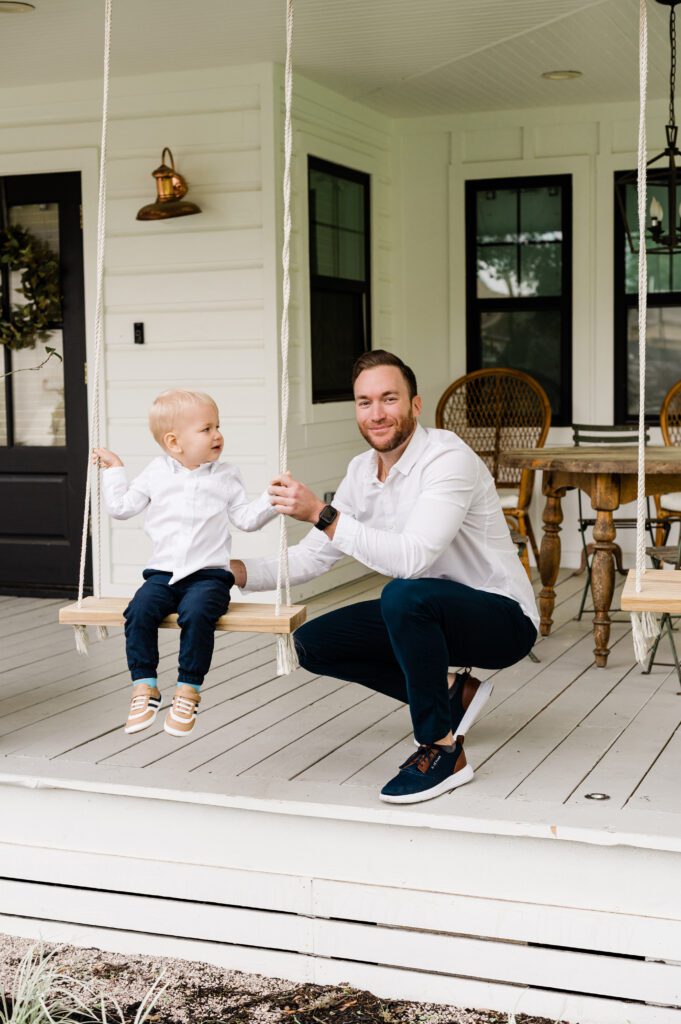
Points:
(438, 155)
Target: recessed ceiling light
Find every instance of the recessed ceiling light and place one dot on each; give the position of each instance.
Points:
(560, 76)
(15, 7)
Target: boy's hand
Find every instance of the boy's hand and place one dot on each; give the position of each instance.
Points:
(294, 499)
(104, 458)
(238, 571)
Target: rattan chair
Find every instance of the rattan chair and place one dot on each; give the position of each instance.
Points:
(494, 410)
(669, 505)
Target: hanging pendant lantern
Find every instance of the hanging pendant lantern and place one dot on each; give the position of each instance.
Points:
(171, 188)
(663, 222)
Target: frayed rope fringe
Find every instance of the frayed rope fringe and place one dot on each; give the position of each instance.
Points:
(82, 639)
(287, 656)
(645, 628)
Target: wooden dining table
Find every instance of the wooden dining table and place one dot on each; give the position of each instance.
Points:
(609, 475)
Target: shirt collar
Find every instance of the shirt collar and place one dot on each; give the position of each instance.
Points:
(177, 467)
(407, 459)
(412, 452)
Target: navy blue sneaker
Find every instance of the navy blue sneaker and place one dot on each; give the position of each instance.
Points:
(429, 772)
(467, 698)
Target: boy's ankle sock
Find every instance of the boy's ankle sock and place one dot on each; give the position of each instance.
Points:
(152, 681)
(194, 686)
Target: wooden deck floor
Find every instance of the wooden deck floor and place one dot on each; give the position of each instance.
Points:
(552, 733)
(260, 842)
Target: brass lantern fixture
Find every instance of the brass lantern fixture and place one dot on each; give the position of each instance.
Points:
(663, 223)
(171, 188)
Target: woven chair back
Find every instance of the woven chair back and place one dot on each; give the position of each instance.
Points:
(493, 410)
(670, 415)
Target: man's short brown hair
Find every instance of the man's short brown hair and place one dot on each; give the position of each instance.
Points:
(379, 357)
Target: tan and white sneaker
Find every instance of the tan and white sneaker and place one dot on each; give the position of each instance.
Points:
(144, 705)
(182, 715)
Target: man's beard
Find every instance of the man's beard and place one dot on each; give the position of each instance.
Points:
(403, 431)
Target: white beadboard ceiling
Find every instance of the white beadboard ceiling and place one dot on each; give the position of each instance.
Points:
(404, 58)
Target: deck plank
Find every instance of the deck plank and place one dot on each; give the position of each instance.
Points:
(626, 763)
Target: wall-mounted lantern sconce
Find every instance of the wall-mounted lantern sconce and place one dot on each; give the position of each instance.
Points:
(171, 188)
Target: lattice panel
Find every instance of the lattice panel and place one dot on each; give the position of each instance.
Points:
(494, 413)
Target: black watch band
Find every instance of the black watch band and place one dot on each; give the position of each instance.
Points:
(326, 517)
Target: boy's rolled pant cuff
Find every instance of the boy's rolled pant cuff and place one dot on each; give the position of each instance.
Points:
(190, 678)
(145, 672)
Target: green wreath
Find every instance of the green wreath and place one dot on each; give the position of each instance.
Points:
(31, 321)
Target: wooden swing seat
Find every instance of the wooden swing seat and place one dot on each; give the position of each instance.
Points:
(242, 617)
(660, 592)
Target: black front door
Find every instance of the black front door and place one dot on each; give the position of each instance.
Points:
(43, 413)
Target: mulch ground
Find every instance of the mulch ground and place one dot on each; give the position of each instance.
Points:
(198, 993)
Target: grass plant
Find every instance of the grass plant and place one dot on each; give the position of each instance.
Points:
(38, 992)
(42, 994)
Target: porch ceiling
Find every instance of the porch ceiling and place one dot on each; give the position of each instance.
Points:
(399, 57)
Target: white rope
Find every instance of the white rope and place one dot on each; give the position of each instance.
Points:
(644, 625)
(94, 436)
(287, 659)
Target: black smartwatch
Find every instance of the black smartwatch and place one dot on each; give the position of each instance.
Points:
(326, 517)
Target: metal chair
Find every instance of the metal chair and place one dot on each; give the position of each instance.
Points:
(599, 434)
(493, 410)
(662, 556)
(669, 505)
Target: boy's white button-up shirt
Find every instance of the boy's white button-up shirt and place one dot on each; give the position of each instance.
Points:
(188, 511)
(437, 515)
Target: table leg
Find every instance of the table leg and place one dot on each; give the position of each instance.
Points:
(603, 582)
(549, 555)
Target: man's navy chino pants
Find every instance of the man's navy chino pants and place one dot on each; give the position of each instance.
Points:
(402, 644)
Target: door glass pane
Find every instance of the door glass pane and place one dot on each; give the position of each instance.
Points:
(528, 341)
(663, 357)
(39, 396)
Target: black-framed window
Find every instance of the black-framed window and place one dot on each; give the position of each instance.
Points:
(340, 275)
(519, 281)
(663, 326)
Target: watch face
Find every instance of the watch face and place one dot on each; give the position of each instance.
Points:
(327, 515)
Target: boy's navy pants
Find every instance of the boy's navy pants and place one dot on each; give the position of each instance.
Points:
(403, 644)
(199, 600)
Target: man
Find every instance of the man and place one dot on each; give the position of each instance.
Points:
(422, 507)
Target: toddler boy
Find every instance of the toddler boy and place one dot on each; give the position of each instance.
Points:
(190, 497)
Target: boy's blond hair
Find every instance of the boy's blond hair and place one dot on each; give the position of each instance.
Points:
(169, 405)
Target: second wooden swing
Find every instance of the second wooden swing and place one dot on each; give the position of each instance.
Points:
(280, 619)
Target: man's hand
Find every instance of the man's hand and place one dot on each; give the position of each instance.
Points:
(294, 499)
(104, 458)
(238, 571)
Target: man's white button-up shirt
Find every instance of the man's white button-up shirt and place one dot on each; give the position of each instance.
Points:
(437, 515)
(188, 511)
